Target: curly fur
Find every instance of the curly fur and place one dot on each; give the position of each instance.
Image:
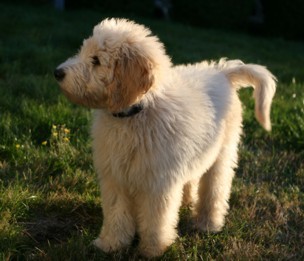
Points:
(182, 147)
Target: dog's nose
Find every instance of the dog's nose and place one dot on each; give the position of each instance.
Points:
(59, 74)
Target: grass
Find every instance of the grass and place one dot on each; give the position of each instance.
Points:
(50, 207)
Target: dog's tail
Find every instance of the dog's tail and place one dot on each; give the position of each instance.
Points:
(263, 82)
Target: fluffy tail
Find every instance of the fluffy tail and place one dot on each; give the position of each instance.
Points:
(263, 82)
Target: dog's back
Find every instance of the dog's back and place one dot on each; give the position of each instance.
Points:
(238, 75)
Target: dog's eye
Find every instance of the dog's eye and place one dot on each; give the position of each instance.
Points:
(95, 60)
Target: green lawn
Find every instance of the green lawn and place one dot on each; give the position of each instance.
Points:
(50, 207)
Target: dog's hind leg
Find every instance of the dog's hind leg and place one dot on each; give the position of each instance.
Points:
(214, 193)
(118, 224)
(190, 191)
(215, 184)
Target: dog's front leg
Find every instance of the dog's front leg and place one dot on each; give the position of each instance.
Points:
(157, 219)
(118, 224)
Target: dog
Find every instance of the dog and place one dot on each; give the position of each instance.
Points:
(163, 135)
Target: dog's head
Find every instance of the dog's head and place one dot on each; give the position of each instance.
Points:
(115, 67)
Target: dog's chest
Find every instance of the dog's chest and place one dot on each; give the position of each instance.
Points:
(153, 151)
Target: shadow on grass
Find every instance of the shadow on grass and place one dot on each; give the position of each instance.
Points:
(58, 221)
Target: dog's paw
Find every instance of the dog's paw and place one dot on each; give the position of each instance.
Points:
(102, 245)
(207, 225)
(106, 245)
(149, 251)
(155, 248)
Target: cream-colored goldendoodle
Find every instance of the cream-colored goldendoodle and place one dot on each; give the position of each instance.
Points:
(162, 134)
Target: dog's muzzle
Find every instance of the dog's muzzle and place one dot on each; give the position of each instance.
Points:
(59, 74)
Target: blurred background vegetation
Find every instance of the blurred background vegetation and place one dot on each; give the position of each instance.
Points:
(278, 18)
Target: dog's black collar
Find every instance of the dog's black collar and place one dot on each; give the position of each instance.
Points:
(134, 109)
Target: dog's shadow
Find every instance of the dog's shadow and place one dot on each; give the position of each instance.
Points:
(59, 220)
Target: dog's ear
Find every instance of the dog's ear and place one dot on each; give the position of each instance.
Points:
(133, 77)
